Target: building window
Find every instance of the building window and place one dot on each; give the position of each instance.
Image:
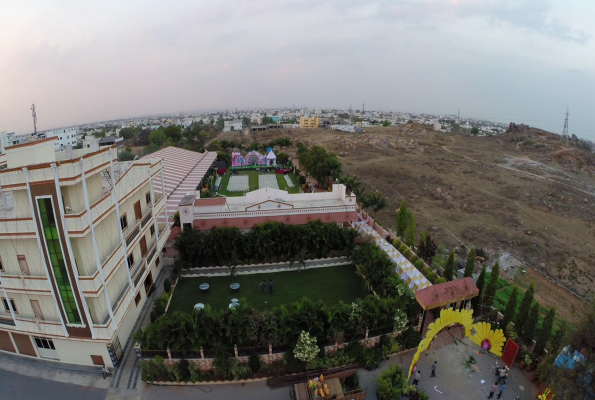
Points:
(148, 197)
(137, 299)
(56, 257)
(6, 307)
(152, 229)
(44, 343)
(157, 262)
(23, 266)
(123, 222)
(130, 260)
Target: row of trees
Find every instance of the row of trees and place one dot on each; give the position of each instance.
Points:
(268, 242)
(245, 327)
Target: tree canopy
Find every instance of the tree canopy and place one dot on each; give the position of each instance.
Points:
(319, 163)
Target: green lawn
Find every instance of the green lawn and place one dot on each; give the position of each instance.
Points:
(329, 284)
(253, 183)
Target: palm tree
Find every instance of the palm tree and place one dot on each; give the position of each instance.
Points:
(377, 202)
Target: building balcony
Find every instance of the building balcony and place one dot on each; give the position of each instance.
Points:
(6, 321)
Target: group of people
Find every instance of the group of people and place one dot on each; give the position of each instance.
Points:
(502, 375)
(268, 286)
(417, 374)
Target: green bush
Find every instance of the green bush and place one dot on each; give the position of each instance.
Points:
(396, 243)
(414, 258)
(419, 264)
(302, 180)
(254, 363)
(426, 271)
(391, 384)
(528, 142)
(432, 276)
(409, 338)
(184, 371)
(167, 285)
(403, 248)
(439, 281)
(407, 252)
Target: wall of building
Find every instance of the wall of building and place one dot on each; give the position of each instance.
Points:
(10, 248)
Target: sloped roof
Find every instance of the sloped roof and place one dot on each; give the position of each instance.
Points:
(271, 155)
(446, 293)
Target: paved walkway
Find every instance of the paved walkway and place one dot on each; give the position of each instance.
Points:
(126, 379)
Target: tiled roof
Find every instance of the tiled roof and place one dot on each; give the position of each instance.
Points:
(182, 172)
(446, 293)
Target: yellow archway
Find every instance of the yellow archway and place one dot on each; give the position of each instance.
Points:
(488, 339)
(448, 317)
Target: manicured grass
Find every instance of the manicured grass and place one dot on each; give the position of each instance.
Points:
(329, 284)
(283, 183)
(253, 183)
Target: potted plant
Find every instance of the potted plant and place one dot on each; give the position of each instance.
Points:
(528, 361)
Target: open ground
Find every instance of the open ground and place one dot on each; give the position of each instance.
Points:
(531, 203)
(253, 182)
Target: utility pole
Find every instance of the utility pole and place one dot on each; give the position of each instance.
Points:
(565, 130)
(34, 115)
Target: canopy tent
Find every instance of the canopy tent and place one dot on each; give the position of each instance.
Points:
(271, 158)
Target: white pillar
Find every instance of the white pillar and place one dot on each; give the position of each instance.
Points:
(120, 233)
(153, 205)
(108, 301)
(164, 195)
(45, 266)
(70, 253)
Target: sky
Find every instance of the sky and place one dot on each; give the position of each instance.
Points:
(504, 60)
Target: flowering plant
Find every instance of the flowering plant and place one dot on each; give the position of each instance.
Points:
(400, 321)
(306, 348)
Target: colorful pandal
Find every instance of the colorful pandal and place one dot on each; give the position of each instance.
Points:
(488, 339)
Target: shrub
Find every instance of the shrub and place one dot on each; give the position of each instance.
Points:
(528, 142)
(403, 248)
(426, 271)
(222, 363)
(414, 258)
(407, 252)
(397, 243)
(302, 180)
(305, 348)
(432, 276)
(356, 351)
(254, 363)
(409, 338)
(167, 285)
(184, 371)
(439, 281)
(419, 264)
(391, 384)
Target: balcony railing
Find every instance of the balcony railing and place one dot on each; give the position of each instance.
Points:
(7, 321)
(151, 252)
(146, 219)
(133, 234)
(140, 274)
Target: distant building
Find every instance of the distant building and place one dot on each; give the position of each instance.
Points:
(309, 122)
(344, 128)
(66, 137)
(291, 126)
(9, 139)
(235, 125)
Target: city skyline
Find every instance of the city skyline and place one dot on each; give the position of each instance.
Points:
(524, 61)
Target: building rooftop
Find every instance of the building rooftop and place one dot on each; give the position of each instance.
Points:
(446, 293)
(183, 171)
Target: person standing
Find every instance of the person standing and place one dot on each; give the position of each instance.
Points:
(271, 286)
(493, 390)
(502, 376)
(434, 369)
(264, 281)
(501, 390)
(416, 377)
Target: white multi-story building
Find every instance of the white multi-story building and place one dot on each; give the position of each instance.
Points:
(80, 249)
(9, 139)
(235, 125)
(65, 136)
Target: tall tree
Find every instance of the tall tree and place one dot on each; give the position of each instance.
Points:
(510, 308)
(556, 341)
(402, 217)
(157, 137)
(427, 249)
(490, 292)
(449, 269)
(524, 309)
(377, 202)
(411, 232)
(545, 332)
(319, 163)
(531, 323)
(481, 280)
(470, 264)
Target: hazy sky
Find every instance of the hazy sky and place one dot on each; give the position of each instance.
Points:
(508, 60)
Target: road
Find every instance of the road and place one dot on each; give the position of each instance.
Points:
(250, 391)
(20, 387)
